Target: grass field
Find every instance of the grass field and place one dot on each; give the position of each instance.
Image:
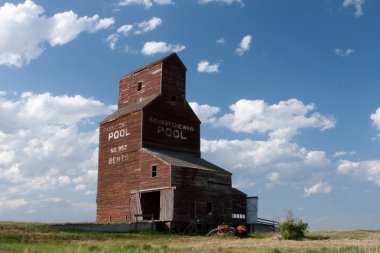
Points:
(35, 237)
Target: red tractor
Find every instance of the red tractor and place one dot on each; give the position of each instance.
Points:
(225, 230)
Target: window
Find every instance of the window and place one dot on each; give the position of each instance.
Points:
(154, 170)
(173, 98)
(139, 86)
(209, 207)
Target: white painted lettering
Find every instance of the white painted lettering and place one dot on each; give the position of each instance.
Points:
(160, 130)
(118, 134)
(117, 159)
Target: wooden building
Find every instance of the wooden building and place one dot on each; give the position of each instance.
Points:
(149, 156)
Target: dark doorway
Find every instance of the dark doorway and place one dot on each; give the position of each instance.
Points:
(150, 204)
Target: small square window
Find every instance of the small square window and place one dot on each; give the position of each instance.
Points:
(139, 86)
(154, 170)
(173, 98)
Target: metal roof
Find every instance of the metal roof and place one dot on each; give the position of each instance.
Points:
(186, 160)
(129, 109)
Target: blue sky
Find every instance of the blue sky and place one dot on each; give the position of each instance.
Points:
(288, 93)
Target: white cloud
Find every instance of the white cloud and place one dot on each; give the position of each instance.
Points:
(343, 53)
(205, 66)
(363, 170)
(146, 3)
(344, 153)
(205, 113)
(138, 28)
(244, 45)
(221, 1)
(80, 187)
(376, 118)
(149, 25)
(25, 31)
(273, 176)
(279, 161)
(125, 29)
(154, 47)
(46, 144)
(221, 41)
(279, 120)
(130, 50)
(12, 203)
(275, 156)
(64, 179)
(112, 40)
(358, 4)
(321, 187)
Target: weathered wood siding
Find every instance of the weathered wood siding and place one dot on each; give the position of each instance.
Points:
(173, 80)
(166, 204)
(239, 207)
(119, 166)
(194, 189)
(161, 180)
(171, 126)
(151, 85)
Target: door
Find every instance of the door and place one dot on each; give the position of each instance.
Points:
(166, 204)
(135, 205)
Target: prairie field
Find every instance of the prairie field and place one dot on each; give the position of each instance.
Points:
(37, 237)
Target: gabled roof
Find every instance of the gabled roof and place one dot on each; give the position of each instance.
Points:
(163, 59)
(236, 191)
(186, 160)
(133, 107)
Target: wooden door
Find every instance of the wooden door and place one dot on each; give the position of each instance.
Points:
(166, 204)
(135, 205)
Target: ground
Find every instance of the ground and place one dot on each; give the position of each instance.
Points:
(36, 237)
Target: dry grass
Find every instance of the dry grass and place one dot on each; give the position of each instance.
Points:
(29, 237)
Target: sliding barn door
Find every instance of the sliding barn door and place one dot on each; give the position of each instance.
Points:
(135, 205)
(166, 204)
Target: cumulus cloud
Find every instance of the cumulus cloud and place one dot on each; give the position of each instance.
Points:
(125, 29)
(275, 156)
(221, 1)
(205, 113)
(155, 47)
(358, 4)
(137, 28)
(48, 149)
(376, 118)
(146, 3)
(277, 160)
(321, 187)
(244, 45)
(6, 204)
(205, 66)
(363, 170)
(343, 53)
(149, 25)
(25, 31)
(280, 120)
